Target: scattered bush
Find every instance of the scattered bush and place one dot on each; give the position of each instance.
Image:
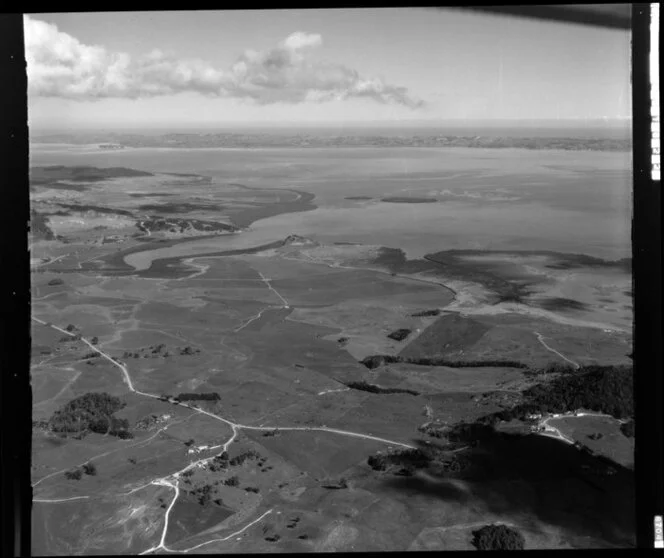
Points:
(252, 489)
(498, 537)
(189, 351)
(54, 282)
(232, 481)
(74, 474)
(335, 485)
(90, 469)
(400, 334)
(203, 494)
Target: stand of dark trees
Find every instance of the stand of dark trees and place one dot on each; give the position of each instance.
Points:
(198, 397)
(425, 313)
(77, 472)
(232, 481)
(74, 474)
(375, 361)
(498, 537)
(335, 484)
(552, 368)
(627, 428)
(91, 412)
(604, 389)
(241, 458)
(371, 388)
(400, 334)
(219, 462)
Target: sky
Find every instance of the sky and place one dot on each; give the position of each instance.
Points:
(214, 68)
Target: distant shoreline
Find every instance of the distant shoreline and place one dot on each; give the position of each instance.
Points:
(304, 140)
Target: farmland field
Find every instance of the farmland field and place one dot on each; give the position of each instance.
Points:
(237, 352)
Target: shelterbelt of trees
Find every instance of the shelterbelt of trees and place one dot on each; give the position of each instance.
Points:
(375, 361)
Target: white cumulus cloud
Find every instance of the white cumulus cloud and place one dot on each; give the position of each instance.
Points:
(59, 65)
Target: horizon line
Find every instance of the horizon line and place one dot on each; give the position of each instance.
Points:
(340, 124)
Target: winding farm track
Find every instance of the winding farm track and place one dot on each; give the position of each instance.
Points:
(61, 500)
(269, 286)
(540, 338)
(172, 480)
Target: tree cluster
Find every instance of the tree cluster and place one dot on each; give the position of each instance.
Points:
(213, 396)
(91, 412)
(426, 313)
(627, 428)
(219, 462)
(554, 368)
(375, 361)
(400, 334)
(371, 388)
(335, 484)
(78, 472)
(498, 537)
(202, 493)
(241, 458)
(232, 481)
(74, 474)
(605, 389)
(160, 351)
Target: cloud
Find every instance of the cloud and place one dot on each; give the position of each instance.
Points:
(61, 66)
